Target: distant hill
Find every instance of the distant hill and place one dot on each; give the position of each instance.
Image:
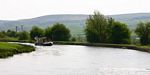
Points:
(75, 22)
(132, 19)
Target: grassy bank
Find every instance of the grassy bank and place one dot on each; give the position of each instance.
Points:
(9, 49)
(15, 40)
(123, 46)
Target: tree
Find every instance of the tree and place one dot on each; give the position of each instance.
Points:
(23, 35)
(11, 33)
(101, 29)
(2, 34)
(97, 28)
(143, 31)
(120, 34)
(48, 33)
(110, 25)
(59, 32)
(36, 32)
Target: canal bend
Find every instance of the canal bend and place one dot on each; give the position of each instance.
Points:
(77, 60)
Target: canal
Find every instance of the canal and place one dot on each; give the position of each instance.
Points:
(77, 60)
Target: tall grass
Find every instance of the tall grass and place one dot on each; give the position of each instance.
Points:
(9, 49)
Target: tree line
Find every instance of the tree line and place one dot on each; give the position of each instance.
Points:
(102, 29)
(57, 32)
(99, 29)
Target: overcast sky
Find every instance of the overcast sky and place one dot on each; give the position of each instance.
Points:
(23, 9)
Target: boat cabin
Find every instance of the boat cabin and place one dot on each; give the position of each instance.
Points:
(43, 41)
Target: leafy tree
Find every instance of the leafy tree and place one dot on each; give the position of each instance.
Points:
(48, 33)
(120, 34)
(59, 32)
(97, 28)
(36, 32)
(101, 29)
(23, 35)
(11, 33)
(110, 25)
(143, 31)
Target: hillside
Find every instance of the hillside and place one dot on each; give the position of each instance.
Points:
(75, 22)
(132, 19)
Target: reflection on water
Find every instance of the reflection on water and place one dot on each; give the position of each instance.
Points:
(77, 60)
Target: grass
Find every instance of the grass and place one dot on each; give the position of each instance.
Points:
(10, 39)
(124, 46)
(9, 49)
(7, 39)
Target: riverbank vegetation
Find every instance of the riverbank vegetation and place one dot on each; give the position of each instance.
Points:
(99, 29)
(9, 49)
(123, 46)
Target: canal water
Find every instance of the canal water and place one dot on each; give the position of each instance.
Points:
(77, 60)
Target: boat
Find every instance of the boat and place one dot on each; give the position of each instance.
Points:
(43, 41)
(44, 44)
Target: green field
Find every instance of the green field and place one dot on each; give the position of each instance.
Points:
(9, 49)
